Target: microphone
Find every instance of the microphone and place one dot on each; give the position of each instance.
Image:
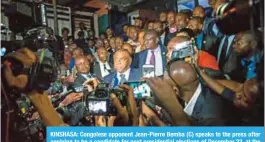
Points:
(75, 88)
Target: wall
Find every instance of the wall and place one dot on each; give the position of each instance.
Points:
(103, 22)
(133, 14)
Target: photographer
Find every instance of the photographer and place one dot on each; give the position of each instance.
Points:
(205, 60)
(39, 99)
(149, 117)
(15, 82)
(126, 115)
(194, 103)
(245, 96)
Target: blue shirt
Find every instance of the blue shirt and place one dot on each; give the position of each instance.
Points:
(251, 64)
(72, 64)
(199, 39)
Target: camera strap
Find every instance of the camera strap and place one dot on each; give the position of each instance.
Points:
(42, 55)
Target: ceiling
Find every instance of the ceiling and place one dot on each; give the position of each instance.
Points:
(120, 5)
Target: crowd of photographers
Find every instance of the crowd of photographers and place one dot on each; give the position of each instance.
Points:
(202, 77)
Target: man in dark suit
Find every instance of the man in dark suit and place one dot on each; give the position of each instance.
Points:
(83, 70)
(154, 55)
(203, 41)
(158, 27)
(123, 72)
(102, 67)
(227, 59)
(171, 28)
(201, 106)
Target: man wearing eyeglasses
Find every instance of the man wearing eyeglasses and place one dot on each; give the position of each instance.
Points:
(123, 73)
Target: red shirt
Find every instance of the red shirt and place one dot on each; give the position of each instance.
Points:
(207, 60)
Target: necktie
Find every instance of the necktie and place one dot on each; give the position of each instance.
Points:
(222, 58)
(122, 78)
(105, 68)
(152, 59)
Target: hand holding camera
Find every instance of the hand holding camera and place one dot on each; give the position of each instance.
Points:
(128, 113)
(91, 84)
(103, 122)
(73, 97)
(150, 117)
(19, 60)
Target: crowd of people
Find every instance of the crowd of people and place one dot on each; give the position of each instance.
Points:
(221, 84)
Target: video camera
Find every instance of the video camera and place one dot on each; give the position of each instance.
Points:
(41, 74)
(98, 102)
(229, 16)
(183, 50)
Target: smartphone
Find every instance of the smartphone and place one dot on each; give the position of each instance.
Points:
(140, 89)
(97, 107)
(148, 71)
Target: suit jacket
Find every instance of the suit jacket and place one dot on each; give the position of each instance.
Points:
(81, 79)
(97, 71)
(134, 76)
(210, 44)
(212, 110)
(140, 58)
(169, 36)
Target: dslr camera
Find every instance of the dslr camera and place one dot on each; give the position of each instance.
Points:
(98, 102)
(183, 50)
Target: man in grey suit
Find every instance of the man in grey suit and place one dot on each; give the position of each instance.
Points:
(102, 66)
(197, 104)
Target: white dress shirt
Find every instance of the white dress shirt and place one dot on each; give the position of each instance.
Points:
(103, 71)
(126, 73)
(87, 76)
(158, 60)
(190, 106)
(162, 38)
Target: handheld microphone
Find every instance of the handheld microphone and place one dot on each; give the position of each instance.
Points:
(75, 88)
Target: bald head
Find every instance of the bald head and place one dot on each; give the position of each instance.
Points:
(198, 12)
(182, 73)
(102, 54)
(245, 43)
(173, 42)
(128, 47)
(178, 39)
